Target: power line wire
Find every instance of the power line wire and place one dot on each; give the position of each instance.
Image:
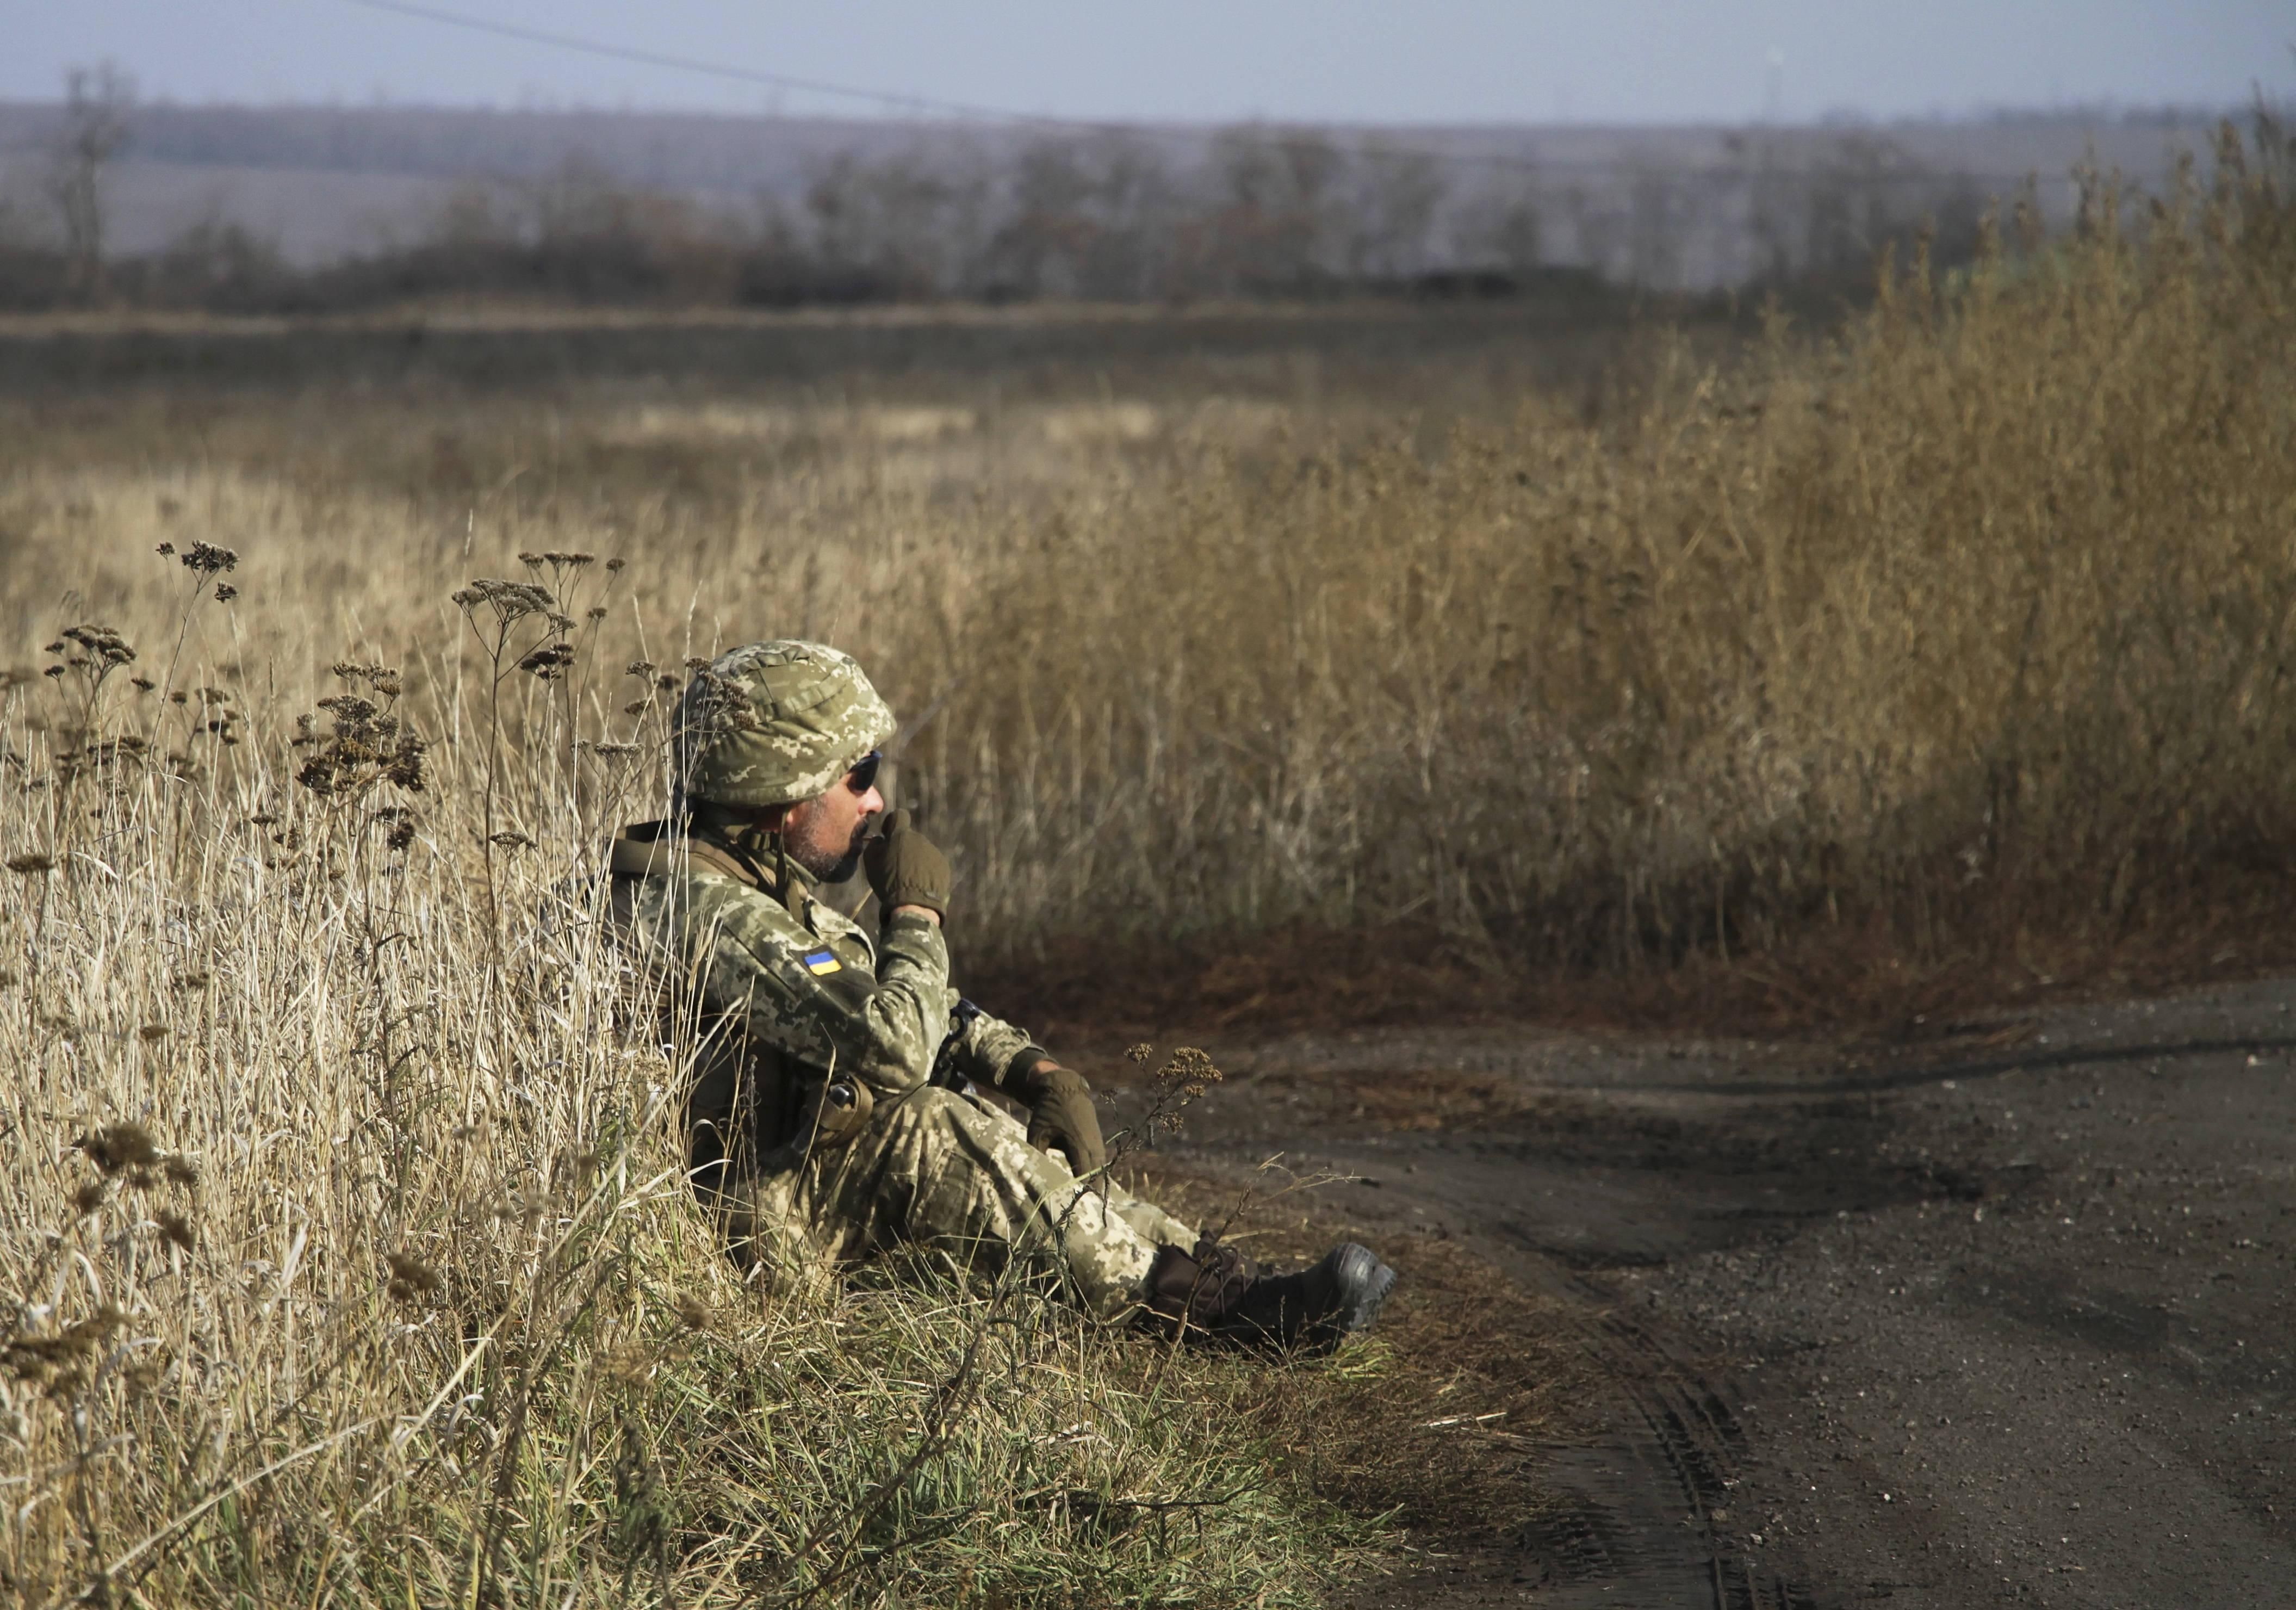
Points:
(975, 112)
(721, 70)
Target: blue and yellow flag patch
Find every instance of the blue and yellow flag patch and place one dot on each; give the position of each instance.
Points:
(822, 963)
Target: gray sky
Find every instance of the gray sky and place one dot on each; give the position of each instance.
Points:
(1351, 61)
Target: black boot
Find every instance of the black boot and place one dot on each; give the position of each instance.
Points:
(1313, 1310)
(1221, 1293)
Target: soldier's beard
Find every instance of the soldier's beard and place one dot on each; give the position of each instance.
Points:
(831, 861)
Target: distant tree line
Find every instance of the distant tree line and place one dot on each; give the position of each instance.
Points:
(1106, 217)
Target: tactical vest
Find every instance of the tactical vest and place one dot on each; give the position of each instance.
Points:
(753, 1107)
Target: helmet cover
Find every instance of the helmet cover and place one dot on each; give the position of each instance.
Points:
(774, 723)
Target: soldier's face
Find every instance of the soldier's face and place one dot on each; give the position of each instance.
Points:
(825, 834)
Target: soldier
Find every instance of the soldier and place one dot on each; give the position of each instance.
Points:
(830, 1116)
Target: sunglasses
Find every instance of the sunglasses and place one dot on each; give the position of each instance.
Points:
(863, 777)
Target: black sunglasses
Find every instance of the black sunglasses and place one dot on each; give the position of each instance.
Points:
(863, 777)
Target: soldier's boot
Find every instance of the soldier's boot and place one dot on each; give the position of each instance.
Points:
(1217, 1292)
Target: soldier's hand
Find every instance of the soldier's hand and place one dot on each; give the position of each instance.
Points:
(1061, 1117)
(906, 868)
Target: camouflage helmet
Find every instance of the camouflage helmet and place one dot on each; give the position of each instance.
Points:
(774, 723)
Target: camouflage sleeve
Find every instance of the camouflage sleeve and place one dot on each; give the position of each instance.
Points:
(884, 1032)
(989, 1047)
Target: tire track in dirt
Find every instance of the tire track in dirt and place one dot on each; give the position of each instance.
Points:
(1963, 1327)
(1632, 1514)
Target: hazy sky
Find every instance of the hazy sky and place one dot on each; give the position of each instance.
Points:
(1428, 60)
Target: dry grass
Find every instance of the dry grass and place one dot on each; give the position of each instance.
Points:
(1963, 636)
(1438, 1418)
(349, 1254)
(1970, 629)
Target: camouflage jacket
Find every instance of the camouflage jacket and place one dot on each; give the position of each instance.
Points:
(776, 992)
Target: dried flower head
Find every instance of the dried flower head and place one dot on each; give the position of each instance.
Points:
(152, 1034)
(641, 667)
(225, 592)
(509, 600)
(509, 839)
(100, 646)
(549, 662)
(195, 979)
(176, 1230)
(90, 1197)
(144, 1375)
(692, 1313)
(206, 558)
(210, 559)
(368, 744)
(117, 1148)
(1141, 1052)
(383, 679)
(180, 1171)
(40, 1357)
(411, 1279)
(31, 863)
(1189, 1072)
(615, 564)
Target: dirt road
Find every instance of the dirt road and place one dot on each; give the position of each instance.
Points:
(1995, 1313)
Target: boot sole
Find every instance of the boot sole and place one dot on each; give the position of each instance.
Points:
(1363, 1282)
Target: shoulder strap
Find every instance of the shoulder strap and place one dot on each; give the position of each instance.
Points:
(634, 857)
(649, 850)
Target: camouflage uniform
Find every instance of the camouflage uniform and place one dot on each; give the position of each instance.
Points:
(817, 1130)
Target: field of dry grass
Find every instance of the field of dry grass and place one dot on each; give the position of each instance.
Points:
(341, 1222)
(348, 1248)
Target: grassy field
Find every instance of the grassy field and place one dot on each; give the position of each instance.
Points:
(343, 1223)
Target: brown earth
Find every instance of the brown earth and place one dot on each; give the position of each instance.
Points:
(1993, 1311)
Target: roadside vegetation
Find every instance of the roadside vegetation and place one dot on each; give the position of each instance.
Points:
(342, 1225)
(349, 1254)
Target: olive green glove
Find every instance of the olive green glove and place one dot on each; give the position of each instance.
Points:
(906, 868)
(1061, 1115)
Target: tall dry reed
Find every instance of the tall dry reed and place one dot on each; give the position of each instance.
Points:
(1968, 628)
(343, 1224)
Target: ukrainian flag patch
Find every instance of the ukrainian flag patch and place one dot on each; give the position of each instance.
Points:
(822, 963)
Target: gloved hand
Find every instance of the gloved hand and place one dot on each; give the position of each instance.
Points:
(1061, 1115)
(906, 868)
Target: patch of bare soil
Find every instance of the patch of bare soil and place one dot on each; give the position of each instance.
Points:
(1469, 1373)
(1842, 985)
(1996, 1310)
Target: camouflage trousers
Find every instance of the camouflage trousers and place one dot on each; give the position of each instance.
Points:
(954, 1173)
